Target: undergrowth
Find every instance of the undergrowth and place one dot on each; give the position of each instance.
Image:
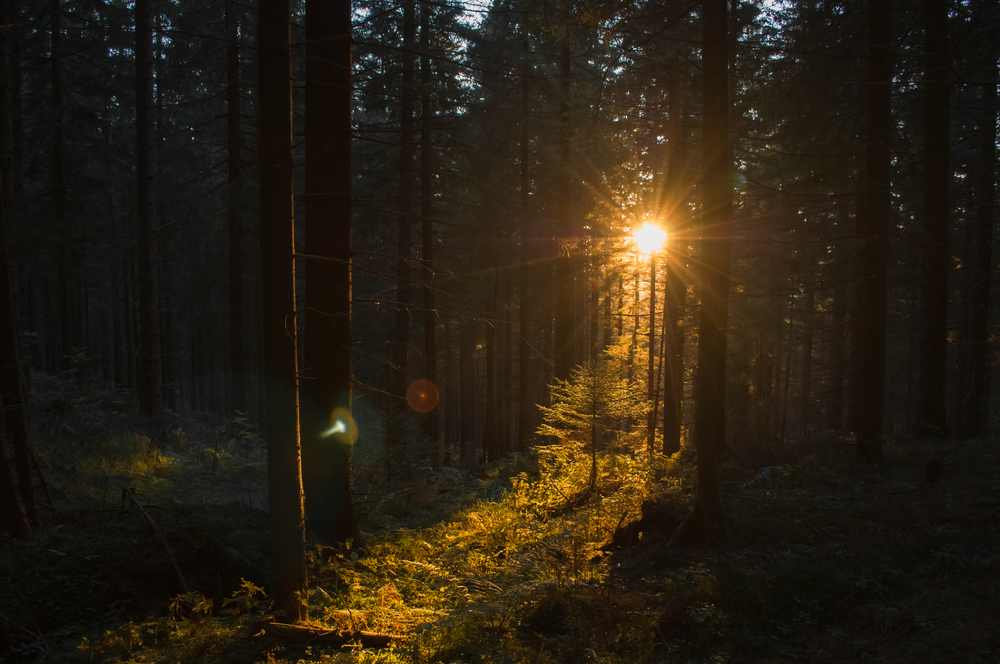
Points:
(825, 561)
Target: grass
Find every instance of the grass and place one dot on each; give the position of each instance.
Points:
(825, 560)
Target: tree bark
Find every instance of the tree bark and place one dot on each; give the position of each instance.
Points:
(149, 360)
(931, 409)
(399, 351)
(565, 327)
(971, 417)
(432, 419)
(237, 347)
(278, 309)
(869, 374)
(710, 419)
(328, 354)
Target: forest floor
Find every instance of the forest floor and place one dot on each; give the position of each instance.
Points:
(825, 560)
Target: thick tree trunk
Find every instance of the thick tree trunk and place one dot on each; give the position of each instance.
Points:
(15, 430)
(278, 310)
(710, 420)
(931, 409)
(149, 360)
(328, 429)
(869, 374)
(237, 347)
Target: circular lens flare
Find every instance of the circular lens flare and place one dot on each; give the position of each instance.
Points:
(342, 427)
(422, 396)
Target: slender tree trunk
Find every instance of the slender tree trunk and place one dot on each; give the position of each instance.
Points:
(651, 382)
(432, 419)
(874, 252)
(399, 350)
(525, 320)
(971, 419)
(837, 339)
(710, 423)
(278, 310)
(565, 327)
(467, 377)
(808, 323)
(149, 360)
(59, 192)
(237, 347)
(931, 418)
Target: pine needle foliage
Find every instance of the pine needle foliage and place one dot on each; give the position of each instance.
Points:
(596, 408)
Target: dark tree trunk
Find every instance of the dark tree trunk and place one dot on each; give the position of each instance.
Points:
(710, 420)
(525, 321)
(838, 339)
(149, 360)
(237, 347)
(565, 327)
(931, 410)
(873, 225)
(651, 378)
(973, 389)
(808, 323)
(431, 420)
(59, 192)
(328, 430)
(12, 414)
(278, 310)
(467, 378)
(399, 351)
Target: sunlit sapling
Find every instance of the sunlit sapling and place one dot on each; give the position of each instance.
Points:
(595, 402)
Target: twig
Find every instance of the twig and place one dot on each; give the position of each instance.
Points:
(129, 493)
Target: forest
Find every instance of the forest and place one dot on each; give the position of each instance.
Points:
(502, 330)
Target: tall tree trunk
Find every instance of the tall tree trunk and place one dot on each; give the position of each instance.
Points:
(237, 347)
(432, 419)
(869, 374)
(971, 417)
(14, 433)
(931, 409)
(710, 419)
(652, 385)
(565, 326)
(59, 192)
(277, 246)
(149, 360)
(328, 429)
(837, 341)
(525, 321)
(399, 350)
(467, 378)
(808, 323)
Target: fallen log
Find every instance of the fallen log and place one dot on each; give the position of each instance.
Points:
(309, 635)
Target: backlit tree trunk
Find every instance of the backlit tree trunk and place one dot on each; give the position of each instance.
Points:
(328, 430)
(278, 310)
(710, 419)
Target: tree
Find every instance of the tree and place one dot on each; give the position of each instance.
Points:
(873, 226)
(281, 429)
(149, 350)
(328, 429)
(934, 358)
(716, 210)
(593, 400)
(237, 346)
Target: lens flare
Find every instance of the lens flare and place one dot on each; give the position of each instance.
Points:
(422, 395)
(342, 427)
